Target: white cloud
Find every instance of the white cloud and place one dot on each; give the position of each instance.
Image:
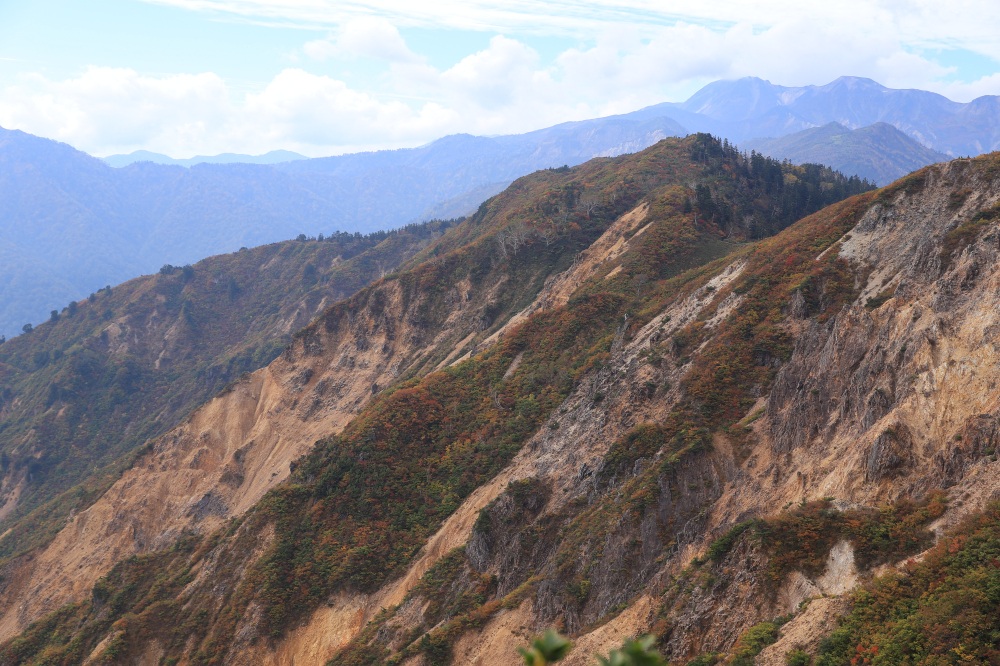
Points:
(367, 36)
(495, 77)
(108, 110)
(117, 107)
(318, 111)
(987, 85)
(793, 52)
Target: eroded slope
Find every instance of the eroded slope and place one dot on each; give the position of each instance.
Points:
(850, 357)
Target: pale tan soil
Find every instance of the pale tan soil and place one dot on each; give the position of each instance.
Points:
(839, 577)
(607, 249)
(96, 654)
(805, 630)
(342, 619)
(630, 623)
(497, 642)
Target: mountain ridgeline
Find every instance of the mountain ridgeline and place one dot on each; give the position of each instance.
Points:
(71, 224)
(407, 408)
(272, 157)
(879, 153)
(751, 108)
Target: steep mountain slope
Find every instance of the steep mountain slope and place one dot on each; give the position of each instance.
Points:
(469, 383)
(79, 394)
(942, 608)
(751, 108)
(879, 152)
(845, 361)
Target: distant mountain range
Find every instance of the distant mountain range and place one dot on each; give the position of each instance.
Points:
(879, 152)
(273, 157)
(70, 223)
(747, 108)
(751, 108)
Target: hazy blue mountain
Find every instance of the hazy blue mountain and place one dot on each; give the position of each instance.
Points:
(752, 108)
(70, 224)
(879, 152)
(273, 157)
(487, 160)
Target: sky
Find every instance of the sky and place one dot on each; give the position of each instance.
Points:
(323, 77)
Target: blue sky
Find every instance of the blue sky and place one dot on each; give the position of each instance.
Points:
(187, 77)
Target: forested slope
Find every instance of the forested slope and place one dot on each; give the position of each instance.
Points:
(82, 392)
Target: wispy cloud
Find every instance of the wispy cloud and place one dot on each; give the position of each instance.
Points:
(557, 17)
(960, 23)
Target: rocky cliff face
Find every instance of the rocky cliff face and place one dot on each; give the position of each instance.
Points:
(882, 391)
(573, 442)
